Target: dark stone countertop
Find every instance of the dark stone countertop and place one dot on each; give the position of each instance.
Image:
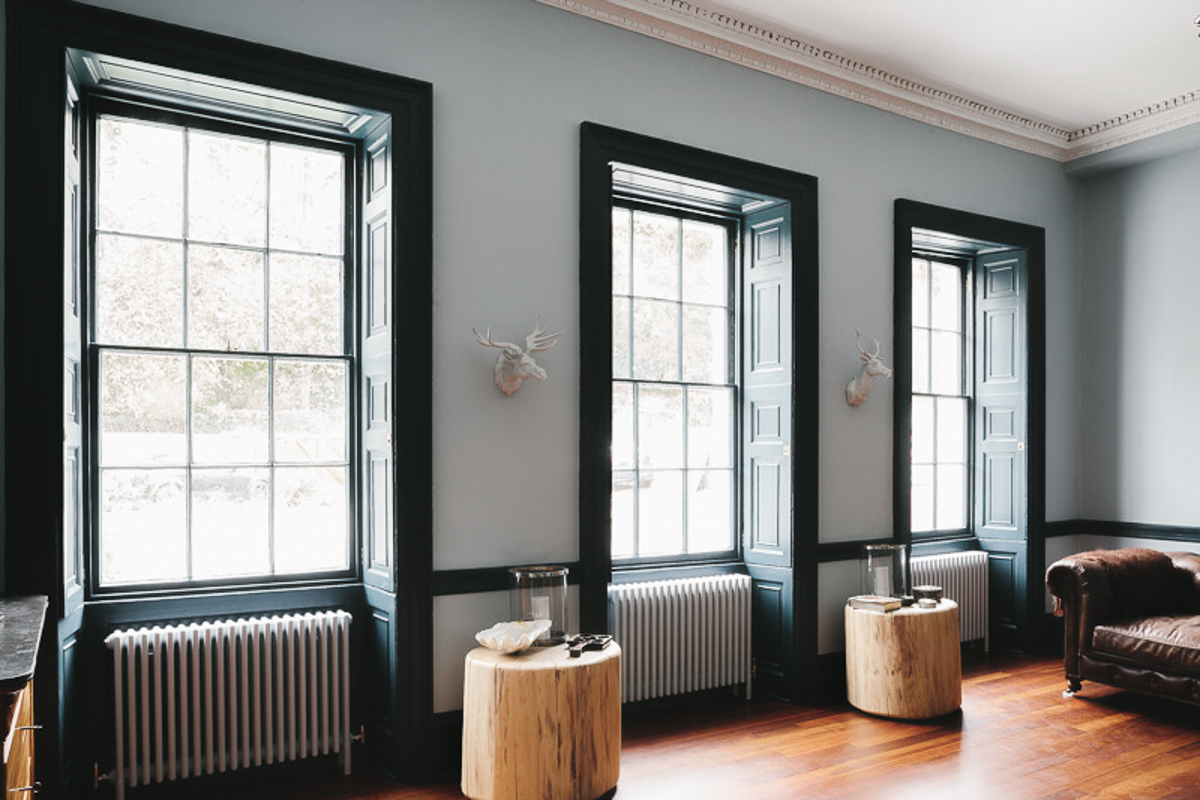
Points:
(21, 620)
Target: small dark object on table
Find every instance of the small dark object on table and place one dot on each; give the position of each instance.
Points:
(587, 641)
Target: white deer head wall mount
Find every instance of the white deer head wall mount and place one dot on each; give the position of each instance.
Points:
(515, 363)
(859, 386)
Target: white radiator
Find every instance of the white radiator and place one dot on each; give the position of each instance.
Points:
(681, 635)
(963, 577)
(209, 697)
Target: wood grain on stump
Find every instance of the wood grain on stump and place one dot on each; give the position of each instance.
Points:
(905, 663)
(540, 724)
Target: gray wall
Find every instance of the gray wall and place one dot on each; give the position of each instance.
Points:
(1140, 286)
(512, 81)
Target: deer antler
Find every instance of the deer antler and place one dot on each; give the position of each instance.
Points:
(863, 354)
(539, 340)
(489, 343)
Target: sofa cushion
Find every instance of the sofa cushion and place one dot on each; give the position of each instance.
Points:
(1170, 642)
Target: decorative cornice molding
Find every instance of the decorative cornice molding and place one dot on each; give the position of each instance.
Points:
(685, 24)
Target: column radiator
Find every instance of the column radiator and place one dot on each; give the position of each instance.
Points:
(964, 578)
(208, 697)
(681, 635)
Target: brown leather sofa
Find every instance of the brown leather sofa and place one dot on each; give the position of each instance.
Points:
(1132, 620)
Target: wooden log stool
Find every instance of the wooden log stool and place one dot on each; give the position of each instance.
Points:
(540, 724)
(905, 663)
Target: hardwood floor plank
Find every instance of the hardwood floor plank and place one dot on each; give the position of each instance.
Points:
(1016, 737)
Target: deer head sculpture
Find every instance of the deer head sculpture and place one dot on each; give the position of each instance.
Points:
(860, 385)
(515, 363)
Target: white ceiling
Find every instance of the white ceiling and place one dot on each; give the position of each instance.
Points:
(1060, 78)
(1071, 63)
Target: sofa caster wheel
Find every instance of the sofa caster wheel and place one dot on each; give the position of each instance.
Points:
(1072, 688)
(1068, 694)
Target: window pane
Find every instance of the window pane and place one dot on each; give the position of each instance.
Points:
(951, 497)
(655, 256)
(311, 533)
(307, 211)
(952, 430)
(306, 304)
(705, 263)
(655, 341)
(139, 175)
(710, 428)
(620, 334)
(660, 427)
(705, 344)
(922, 498)
(620, 250)
(922, 430)
(139, 291)
(623, 504)
(945, 296)
(920, 292)
(920, 360)
(710, 511)
(946, 368)
(660, 514)
(310, 411)
(227, 189)
(143, 409)
(225, 298)
(229, 410)
(623, 456)
(143, 525)
(230, 523)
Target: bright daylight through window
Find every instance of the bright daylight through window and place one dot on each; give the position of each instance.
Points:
(219, 337)
(940, 401)
(674, 397)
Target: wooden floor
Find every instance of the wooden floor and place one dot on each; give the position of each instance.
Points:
(1015, 737)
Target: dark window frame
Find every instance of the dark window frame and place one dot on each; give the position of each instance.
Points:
(99, 102)
(965, 264)
(733, 225)
(795, 584)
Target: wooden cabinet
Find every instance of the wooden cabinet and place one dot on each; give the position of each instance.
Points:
(18, 743)
(20, 630)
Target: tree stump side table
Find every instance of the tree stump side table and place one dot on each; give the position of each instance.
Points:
(905, 663)
(540, 724)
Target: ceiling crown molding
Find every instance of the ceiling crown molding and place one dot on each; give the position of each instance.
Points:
(685, 24)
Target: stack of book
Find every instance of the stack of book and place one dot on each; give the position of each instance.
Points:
(875, 602)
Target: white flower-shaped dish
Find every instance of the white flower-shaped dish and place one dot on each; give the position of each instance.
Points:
(512, 637)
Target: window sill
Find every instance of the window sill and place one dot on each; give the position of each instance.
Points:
(665, 572)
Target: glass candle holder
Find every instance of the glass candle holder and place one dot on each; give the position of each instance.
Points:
(541, 593)
(885, 570)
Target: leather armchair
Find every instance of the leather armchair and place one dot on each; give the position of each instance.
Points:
(1131, 620)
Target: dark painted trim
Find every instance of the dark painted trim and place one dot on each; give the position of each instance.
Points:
(599, 147)
(1135, 530)
(845, 551)
(911, 214)
(488, 579)
(447, 730)
(850, 551)
(38, 31)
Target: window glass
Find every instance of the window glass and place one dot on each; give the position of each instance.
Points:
(940, 401)
(224, 379)
(674, 485)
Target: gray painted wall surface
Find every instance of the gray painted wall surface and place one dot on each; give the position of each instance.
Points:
(512, 81)
(1140, 318)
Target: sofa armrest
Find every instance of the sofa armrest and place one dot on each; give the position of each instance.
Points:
(1083, 596)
